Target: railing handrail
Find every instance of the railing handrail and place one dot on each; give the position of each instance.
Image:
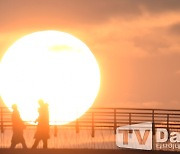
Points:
(146, 109)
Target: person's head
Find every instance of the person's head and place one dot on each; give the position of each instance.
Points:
(14, 107)
(41, 102)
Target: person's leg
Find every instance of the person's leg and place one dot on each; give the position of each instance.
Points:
(24, 144)
(35, 143)
(13, 145)
(44, 143)
(13, 142)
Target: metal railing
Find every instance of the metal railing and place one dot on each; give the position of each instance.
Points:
(95, 118)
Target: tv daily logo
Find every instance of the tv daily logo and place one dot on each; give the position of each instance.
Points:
(139, 136)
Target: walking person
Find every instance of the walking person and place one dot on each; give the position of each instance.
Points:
(17, 127)
(42, 132)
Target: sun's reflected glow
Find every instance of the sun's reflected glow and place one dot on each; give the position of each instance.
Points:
(54, 66)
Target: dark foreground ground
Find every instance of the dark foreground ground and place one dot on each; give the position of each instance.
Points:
(81, 151)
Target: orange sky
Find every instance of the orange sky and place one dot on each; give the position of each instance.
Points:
(136, 43)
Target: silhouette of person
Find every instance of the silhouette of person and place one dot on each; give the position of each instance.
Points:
(17, 127)
(42, 132)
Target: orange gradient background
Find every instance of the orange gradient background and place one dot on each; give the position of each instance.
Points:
(136, 43)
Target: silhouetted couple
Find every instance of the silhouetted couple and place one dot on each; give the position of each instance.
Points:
(42, 131)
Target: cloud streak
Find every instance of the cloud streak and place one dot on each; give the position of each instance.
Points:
(81, 10)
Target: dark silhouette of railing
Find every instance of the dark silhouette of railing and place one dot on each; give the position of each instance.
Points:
(110, 118)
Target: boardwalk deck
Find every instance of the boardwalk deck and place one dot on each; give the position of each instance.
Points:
(82, 151)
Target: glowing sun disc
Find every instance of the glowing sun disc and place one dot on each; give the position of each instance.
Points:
(53, 66)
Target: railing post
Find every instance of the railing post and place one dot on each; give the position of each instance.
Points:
(167, 124)
(2, 124)
(92, 135)
(153, 131)
(115, 124)
(153, 124)
(130, 122)
(130, 119)
(77, 126)
(55, 130)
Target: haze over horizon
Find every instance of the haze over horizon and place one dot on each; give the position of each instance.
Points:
(136, 43)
